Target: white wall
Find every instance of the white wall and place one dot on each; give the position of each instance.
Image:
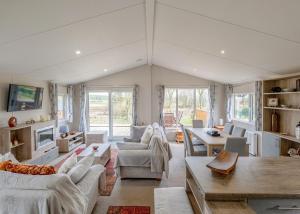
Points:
(148, 78)
(25, 115)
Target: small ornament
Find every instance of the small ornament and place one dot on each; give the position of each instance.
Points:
(12, 122)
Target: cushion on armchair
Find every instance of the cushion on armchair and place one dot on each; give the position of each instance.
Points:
(80, 169)
(147, 135)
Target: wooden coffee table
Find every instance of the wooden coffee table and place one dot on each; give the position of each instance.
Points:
(102, 155)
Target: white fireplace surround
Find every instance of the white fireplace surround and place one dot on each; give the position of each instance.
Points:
(44, 136)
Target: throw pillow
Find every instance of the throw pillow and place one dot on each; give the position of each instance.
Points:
(68, 164)
(8, 156)
(26, 168)
(137, 132)
(78, 172)
(147, 135)
(80, 169)
(87, 161)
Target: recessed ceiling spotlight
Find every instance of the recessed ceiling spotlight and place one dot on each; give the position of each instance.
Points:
(105, 70)
(222, 51)
(78, 52)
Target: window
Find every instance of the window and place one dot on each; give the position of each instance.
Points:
(111, 110)
(61, 107)
(243, 107)
(182, 105)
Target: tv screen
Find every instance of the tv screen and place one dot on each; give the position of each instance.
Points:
(22, 98)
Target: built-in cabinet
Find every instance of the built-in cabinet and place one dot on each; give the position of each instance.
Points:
(288, 111)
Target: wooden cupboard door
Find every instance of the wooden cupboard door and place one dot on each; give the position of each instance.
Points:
(270, 145)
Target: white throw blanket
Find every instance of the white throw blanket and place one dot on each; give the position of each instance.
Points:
(157, 156)
(40, 194)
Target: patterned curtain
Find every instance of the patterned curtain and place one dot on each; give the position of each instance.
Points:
(228, 101)
(53, 101)
(161, 99)
(134, 105)
(212, 99)
(82, 122)
(70, 103)
(258, 105)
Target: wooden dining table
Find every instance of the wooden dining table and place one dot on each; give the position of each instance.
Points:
(210, 141)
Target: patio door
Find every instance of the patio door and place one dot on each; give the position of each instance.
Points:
(110, 110)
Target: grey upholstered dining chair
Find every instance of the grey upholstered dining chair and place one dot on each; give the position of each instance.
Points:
(198, 124)
(238, 132)
(193, 150)
(237, 144)
(228, 128)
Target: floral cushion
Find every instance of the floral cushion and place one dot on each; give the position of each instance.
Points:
(26, 168)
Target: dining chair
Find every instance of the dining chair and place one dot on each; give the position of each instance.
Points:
(193, 150)
(238, 132)
(198, 124)
(228, 128)
(237, 144)
(184, 140)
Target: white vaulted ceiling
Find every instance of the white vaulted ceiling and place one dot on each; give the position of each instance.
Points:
(261, 38)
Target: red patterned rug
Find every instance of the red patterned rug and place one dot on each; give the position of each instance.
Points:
(110, 174)
(128, 210)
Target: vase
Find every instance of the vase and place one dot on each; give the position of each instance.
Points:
(12, 122)
(275, 122)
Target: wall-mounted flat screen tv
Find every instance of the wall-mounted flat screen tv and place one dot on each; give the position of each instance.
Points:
(22, 98)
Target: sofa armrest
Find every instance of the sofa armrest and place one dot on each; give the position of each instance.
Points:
(132, 146)
(95, 172)
(131, 140)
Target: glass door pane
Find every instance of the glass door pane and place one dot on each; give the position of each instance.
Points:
(186, 106)
(201, 105)
(170, 107)
(99, 111)
(121, 113)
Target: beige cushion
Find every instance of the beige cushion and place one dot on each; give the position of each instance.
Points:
(8, 156)
(80, 169)
(147, 135)
(68, 164)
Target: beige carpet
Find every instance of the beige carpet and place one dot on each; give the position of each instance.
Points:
(138, 192)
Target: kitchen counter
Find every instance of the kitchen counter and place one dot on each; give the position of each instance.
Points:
(253, 178)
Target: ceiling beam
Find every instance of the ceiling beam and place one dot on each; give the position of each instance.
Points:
(150, 19)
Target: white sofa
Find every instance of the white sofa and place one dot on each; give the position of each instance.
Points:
(138, 160)
(49, 194)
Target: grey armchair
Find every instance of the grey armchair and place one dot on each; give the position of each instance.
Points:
(238, 132)
(237, 144)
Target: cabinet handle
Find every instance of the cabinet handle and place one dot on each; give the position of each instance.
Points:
(284, 208)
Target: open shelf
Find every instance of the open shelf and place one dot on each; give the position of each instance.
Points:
(16, 145)
(274, 93)
(287, 137)
(75, 140)
(283, 109)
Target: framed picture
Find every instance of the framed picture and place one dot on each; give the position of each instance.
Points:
(272, 102)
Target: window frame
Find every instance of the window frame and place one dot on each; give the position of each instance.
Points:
(110, 107)
(194, 99)
(251, 106)
(65, 100)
